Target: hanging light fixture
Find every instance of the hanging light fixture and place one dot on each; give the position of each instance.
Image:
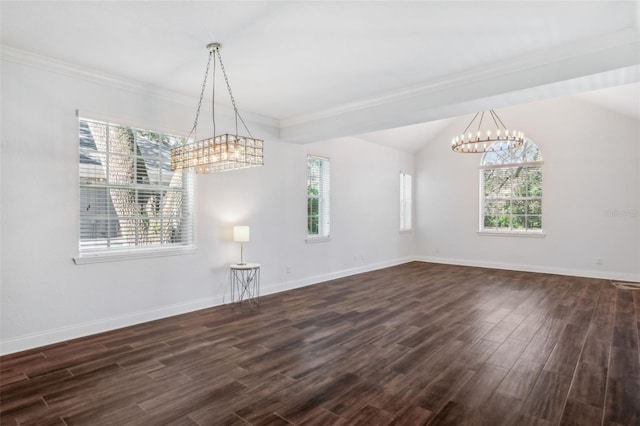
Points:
(494, 138)
(222, 152)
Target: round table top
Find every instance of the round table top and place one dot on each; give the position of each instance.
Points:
(244, 265)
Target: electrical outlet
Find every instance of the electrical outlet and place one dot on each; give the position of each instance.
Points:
(288, 269)
(598, 261)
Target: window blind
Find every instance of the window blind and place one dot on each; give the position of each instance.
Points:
(405, 201)
(318, 196)
(129, 197)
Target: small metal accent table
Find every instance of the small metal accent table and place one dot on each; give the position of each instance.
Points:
(245, 283)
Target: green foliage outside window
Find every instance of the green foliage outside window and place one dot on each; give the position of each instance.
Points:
(512, 189)
(312, 211)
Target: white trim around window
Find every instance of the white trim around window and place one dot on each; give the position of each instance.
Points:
(406, 202)
(131, 204)
(511, 192)
(318, 199)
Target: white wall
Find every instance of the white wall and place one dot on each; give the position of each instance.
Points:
(591, 201)
(591, 195)
(46, 298)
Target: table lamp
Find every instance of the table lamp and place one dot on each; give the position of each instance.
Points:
(241, 234)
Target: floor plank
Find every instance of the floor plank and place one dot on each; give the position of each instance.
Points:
(413, 344)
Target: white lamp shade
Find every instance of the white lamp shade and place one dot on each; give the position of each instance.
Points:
(241, 233)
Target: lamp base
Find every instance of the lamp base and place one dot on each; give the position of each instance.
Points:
(241, 263)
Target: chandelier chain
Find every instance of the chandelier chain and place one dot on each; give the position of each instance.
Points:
(204, 86)
(213, 96)
(498, 117)
(233, 100)
(480, 122)
(470, 123)
(226, 80)
(493, 115)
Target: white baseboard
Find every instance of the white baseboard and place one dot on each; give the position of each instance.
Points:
(48, 337)
(607, 275)
(85, 329)
(290, 285)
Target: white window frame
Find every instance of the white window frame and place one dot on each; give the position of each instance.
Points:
(323, 186)
(100, 179)
(406, 202)
(511, 230)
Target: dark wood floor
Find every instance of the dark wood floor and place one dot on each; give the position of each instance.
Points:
(413, 344)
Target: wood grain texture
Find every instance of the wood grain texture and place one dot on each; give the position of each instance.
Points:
(414, 344)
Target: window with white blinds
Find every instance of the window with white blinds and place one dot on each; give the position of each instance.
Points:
(405, 202)
(511, 190)
(318, 197)
(130, 200)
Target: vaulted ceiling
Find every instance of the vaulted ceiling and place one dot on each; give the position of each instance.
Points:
(325, 69)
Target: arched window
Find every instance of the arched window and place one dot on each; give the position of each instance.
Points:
(511, 190)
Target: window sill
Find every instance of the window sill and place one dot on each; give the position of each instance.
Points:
(311, 240)
(406, 231)
(119, 256)
(536, 234)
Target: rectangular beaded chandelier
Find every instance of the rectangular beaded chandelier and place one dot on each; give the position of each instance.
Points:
(223, 152)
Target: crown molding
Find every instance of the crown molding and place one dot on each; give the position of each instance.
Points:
(23, 57)
(619, 39)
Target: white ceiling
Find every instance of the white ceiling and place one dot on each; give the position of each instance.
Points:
(322, 69)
